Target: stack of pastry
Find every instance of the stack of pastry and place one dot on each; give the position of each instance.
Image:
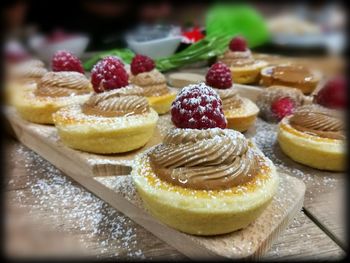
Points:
(145, 75)
(244, 68)
(117, 118)
(204, 179)
(240, 112)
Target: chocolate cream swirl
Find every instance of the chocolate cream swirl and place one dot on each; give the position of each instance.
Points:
(117, 103)
(230, 98)
(317, 120)
(153, 83)
(63, 84)
(237, 58)
(211, 159)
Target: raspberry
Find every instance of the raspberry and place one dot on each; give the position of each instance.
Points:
(198, 107)
(219, 76)
(109, 73)
(238, 44)
(65, 61)
(141, 64)
(333, 94)
(282, 107)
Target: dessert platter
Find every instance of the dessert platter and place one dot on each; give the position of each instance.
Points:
(182, 162)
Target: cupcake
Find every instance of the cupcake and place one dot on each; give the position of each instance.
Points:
(240, 112)
(204, 179)
(244, 68)
(145, 75)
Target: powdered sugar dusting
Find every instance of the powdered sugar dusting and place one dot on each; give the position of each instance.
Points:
(106, 230)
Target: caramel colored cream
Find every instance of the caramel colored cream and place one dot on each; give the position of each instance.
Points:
(28, 70)
(153, 83)
(116, 103)
(237, 58)
(319, 121)
(230, 98)
(211, 159)
(292, 74)
(63, 84)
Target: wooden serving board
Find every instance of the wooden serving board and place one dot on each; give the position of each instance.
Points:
(118, 190)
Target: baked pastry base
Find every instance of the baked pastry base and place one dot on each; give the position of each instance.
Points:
(162, 104)
(104, 135)
(243, 118)
(40, 109)
(202, 212)
(247, 74)
(313, 151)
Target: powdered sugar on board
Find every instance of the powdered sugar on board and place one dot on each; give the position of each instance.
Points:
(103, 231)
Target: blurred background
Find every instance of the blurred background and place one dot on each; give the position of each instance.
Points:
(84, 27)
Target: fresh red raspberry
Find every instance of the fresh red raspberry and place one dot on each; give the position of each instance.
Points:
(219, 76)
(333, 94)
(282, 107)
(141, 63)
(63, 60)
(109, 73)
(238, 44)
(198, 107)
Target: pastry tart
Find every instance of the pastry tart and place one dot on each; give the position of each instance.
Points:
(269, 95)
(113, 121)
(314, 136)
(291, 76)
(153, 82)
(240, 112)
(198, 195)
(244, 68)
(204, 180)
(22, 77)
(54, 91)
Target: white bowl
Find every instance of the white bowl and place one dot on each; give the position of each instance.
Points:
(156, 48)
(45, 51)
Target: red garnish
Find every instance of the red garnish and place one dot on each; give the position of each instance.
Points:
(219, 76)
(140, 64)
(109, 73)
(198, 107)
(282, 107)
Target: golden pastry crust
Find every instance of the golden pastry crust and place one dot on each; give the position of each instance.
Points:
(161, 104)
(104, 135)
(205, 212)
(248, 74)
(39, 109)
(242, 118)
(311, 150)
